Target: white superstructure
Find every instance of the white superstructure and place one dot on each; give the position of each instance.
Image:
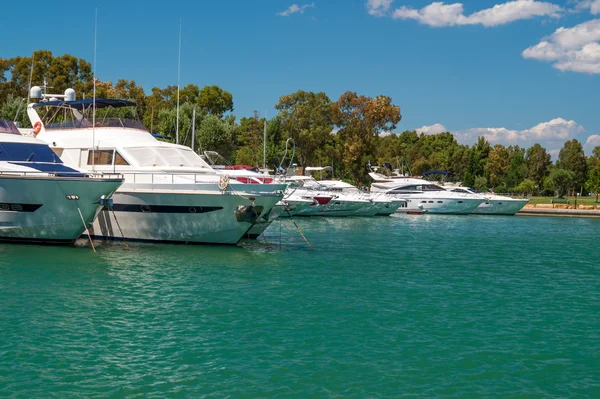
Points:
(41, 199)
(170, 194)
(423, 196)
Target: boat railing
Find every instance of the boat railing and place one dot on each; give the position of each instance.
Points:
(186, 178)
(38, 173)
(86, 123)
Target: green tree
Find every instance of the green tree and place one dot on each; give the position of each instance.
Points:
(594, 159)
(573, 159)
(215, 101)
(496, 166)
(217, 134)
(526, 187)
(560, 180)
(250, 141)
(593, 183)
(361, 119)
(480, 183)
(309, 119)
(537, 162)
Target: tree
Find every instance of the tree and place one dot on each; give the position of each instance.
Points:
(309, 119)
(572, 158)
(537, 162)
(593, 184)
(213, 100)
(480, 183)
(250, 141)
(361, 119)
(560, 180)
(526, 187)
(217, 134)
(496, 166)
(594, 159)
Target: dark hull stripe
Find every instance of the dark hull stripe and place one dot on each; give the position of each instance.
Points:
(165, 208)
(120, 239)
(38, 241)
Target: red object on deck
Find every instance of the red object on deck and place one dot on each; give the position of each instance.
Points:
(323, 200)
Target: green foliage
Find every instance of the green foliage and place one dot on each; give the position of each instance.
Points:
(215, 101)
(217, 134)
(593, 183)
(526, 187)
(480, 183)
(572, 158)
(560, 180)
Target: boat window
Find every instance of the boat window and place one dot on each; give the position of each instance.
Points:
(27, 152)
(100, 157)
(460, 202)
(8, 127)
(166, 156)
(119, 160)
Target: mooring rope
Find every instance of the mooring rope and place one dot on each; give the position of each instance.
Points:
(299, 231)
(86, 228)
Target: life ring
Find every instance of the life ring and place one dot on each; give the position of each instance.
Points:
(223, 182)
(37, 127)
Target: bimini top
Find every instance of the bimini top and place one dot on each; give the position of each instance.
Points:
(87, 103)
(8, 127)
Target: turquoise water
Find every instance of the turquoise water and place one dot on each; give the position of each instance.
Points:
(410, 306)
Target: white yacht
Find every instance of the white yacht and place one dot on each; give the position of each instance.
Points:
(170, 194)
(424, 197)
(41, 199)
(494, 204)
(383, 204)
(341, 204)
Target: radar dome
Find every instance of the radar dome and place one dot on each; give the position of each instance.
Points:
(69, 95)
(35, 92)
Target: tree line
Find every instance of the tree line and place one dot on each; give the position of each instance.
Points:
(347, 133)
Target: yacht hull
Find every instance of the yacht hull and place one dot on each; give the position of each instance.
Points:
(440, 205)
(500, 207)
(37, 210)
(180, 217)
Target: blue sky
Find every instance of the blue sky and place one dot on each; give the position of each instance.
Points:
(525, 71)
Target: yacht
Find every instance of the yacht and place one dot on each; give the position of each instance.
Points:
(41, 199)
(383, 204)
(494, 204)
(341, 203)
(170, 194)
(424, 197)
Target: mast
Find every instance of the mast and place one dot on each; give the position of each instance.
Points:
(178, 77)
(265, 144)
(94, 98)
(193, 128)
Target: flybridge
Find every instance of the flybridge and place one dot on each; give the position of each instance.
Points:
(87, 103)
(63, 111)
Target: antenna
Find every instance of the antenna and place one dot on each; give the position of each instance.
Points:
(178, 76)
(30, 77)
(265, 143)
(193, 128)
(94, 98)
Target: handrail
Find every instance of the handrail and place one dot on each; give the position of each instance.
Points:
(92, 175)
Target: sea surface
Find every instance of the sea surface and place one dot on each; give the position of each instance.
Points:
(396, 307)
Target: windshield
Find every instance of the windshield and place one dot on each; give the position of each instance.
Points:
(8, 127)
(166, 156)
(27, 152)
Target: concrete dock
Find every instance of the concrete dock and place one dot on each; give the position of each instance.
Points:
(560, 211)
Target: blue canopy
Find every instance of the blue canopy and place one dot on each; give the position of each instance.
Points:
(436, 172)
(87, 103)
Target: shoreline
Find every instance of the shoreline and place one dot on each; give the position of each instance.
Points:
(559, 211)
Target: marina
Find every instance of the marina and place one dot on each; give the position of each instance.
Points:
(372, 199)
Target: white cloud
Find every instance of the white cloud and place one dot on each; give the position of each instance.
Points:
(591, 142)
(433, 129)
(592, 5)
(574, 49)
(549, 134)
(295, 8)
(439, 14)
(378, 7)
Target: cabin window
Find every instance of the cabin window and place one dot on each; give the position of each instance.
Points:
(440, 202)
(431, 202)
(119, 160)
(100, 157)
(460, 202)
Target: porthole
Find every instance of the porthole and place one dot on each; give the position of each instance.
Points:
(146, 208)
(460, 202)
(192, 210)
